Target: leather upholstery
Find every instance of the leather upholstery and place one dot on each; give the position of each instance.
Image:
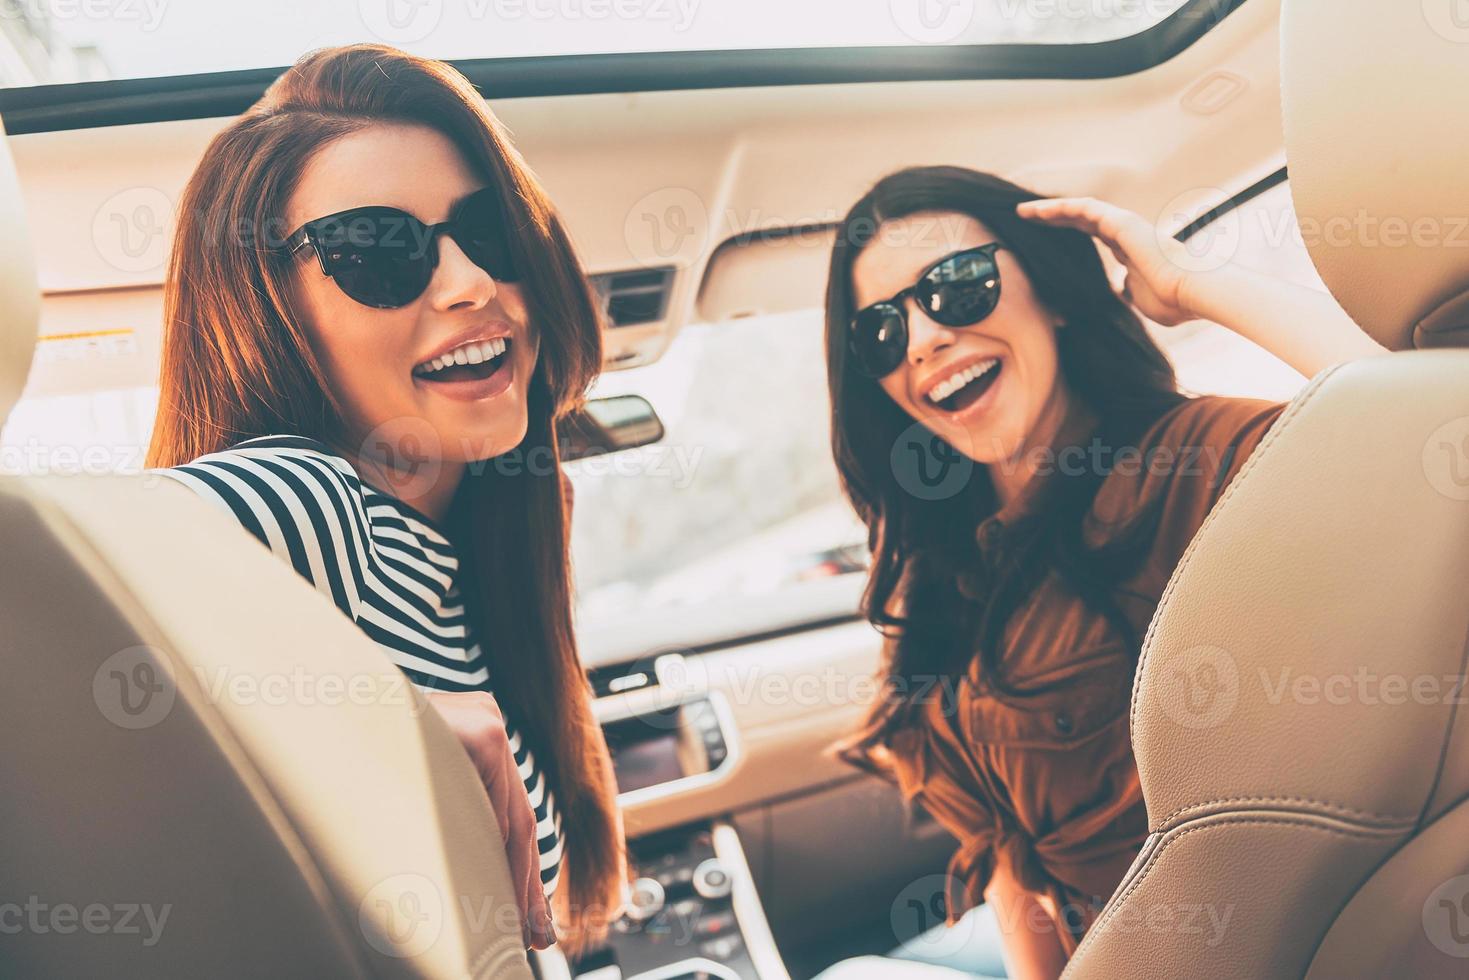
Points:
(1296, 710)
(20, 299)
(1298, 713)
(1373, 97)
(208, 771)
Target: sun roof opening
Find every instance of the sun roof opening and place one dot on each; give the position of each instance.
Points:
(46, 42)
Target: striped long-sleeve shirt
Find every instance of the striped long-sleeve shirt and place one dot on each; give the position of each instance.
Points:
(387, 567)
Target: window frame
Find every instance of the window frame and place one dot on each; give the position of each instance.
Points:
(118, 102)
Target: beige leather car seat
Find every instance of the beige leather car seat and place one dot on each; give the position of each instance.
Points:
(1299, 712)
(205, 770)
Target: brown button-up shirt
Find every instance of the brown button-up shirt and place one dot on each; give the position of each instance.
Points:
(1046, 786)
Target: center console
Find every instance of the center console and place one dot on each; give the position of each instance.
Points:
(692, 912)
(692, 915)
(669, 750)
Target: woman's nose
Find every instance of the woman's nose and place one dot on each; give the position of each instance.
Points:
(926, 339)
(458, 283)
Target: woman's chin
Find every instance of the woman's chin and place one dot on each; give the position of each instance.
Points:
(986, 445)
(483, 448)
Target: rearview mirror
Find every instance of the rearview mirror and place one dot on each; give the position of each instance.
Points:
(609, 425)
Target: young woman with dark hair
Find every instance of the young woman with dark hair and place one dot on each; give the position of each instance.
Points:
(1029, 474)
(374, 319)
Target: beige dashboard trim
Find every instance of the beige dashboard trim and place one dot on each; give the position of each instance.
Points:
(749, 911)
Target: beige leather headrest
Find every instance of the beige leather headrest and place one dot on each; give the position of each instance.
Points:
(20, 302)
(1379, 159)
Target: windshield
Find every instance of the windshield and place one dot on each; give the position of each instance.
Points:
(740, 498)
(51, 41)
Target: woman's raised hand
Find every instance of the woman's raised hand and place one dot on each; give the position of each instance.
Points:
(476, 719)
(1154, 281)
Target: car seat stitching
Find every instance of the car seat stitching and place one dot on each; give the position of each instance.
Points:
(1175, 835)
(1277, 431)
(1296, 800)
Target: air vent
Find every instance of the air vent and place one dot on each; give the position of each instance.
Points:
(635, 675)
(630, 298)
(621, 678)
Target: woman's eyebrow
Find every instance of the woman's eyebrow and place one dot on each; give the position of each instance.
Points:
(454, 204)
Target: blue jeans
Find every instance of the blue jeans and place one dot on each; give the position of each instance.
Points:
(970, 949)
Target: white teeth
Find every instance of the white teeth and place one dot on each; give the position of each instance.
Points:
(959, 379)
(472, 353)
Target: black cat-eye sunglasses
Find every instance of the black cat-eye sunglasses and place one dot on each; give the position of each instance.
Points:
(385, 258)
(958, 290)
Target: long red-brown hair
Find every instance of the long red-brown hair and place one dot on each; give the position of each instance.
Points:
(237, 364)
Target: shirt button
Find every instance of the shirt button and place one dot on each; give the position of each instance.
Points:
(1063, 723)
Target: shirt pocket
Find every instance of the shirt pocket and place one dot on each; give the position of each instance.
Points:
(1073, 705)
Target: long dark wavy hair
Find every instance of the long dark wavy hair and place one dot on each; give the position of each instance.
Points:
(237, 364)
(1110, 366)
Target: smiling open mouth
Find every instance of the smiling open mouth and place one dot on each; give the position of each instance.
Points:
(475, 361)
(963, 388)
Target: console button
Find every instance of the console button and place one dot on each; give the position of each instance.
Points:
(672, 877)
(711, 880)
(714, 925)
(721, 949)
(689, 908)
(645, 901)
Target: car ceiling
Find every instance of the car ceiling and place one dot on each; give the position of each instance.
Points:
(668, 177)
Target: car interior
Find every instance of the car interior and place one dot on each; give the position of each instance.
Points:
(701, 175)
